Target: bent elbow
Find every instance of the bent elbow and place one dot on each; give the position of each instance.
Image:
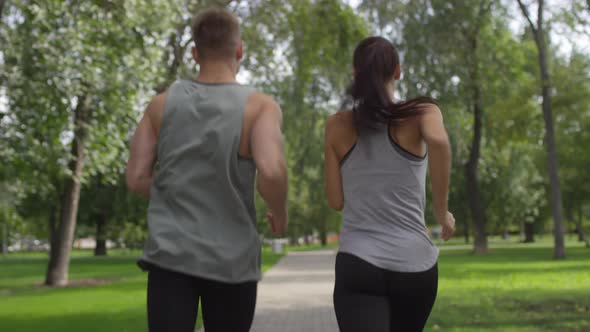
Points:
(337, 205)
(273, 172)
(132, 182)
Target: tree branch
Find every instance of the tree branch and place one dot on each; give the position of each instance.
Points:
(525, 13)
(540, 15)
(483, 9)
(3, 2)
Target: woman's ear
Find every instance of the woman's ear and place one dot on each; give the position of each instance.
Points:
(397, 74)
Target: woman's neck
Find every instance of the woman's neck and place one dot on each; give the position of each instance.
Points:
(390, 88)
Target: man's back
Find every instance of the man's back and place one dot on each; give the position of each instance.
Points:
(201, 214)
(194, 155)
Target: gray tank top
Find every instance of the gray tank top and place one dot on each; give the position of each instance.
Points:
(201, 214)
(384, 201)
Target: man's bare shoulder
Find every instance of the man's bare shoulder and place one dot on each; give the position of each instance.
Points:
(155, 110)
(156, 106)
(259, 101)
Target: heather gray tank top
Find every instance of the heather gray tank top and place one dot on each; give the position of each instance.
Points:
(384, 200)
(201, 214)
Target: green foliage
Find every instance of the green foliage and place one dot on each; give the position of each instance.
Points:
(572, 104)
(55, 52)
(133, 236)
(317, 59)
(434, 38)
(59, 52)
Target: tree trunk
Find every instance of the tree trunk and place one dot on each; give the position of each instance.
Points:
(2, 3)
(580, 228)
(569, 217)
(529, 232)
(550, 145)
(582, 234)
(552, 159)
(59, 261)
(5, 237)
(101, 242)
(466, 230)
(174, 46)
(323, 232)
(480, 240)
(52, 238)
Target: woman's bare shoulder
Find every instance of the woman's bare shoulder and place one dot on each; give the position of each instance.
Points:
(340, 127)
(340, 120)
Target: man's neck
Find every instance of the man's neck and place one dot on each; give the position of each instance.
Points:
(216, 72)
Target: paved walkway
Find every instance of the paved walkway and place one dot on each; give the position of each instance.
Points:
(296, 294)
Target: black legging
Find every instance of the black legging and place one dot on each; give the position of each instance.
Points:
(173, 301)
(371, 299)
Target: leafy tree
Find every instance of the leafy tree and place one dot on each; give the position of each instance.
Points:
(572, 103)
(75, 70)
(319, 60)
(539, 32)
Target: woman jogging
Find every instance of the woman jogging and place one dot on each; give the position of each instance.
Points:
(377, 155)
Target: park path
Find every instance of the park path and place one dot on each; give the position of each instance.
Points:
(295, 295)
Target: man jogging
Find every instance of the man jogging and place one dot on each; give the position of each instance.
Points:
(195, 155)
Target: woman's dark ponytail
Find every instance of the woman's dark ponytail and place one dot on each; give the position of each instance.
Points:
(375, 61)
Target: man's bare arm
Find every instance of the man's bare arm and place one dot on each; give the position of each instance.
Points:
(267, 151)
(142, 157)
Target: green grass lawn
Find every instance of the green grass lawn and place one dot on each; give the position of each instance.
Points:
(118, 306)
(516, 288)
(513, 289)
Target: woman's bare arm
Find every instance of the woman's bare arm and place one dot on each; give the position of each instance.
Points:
(439, 158)
(334, 190)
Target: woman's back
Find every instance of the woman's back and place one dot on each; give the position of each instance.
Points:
(375, 163)
(384, 198)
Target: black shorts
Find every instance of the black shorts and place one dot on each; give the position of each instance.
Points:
(371, 299)
(173, 302)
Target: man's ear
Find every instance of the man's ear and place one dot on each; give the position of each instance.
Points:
(195, 54)
(240, 51)
(397, 74)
